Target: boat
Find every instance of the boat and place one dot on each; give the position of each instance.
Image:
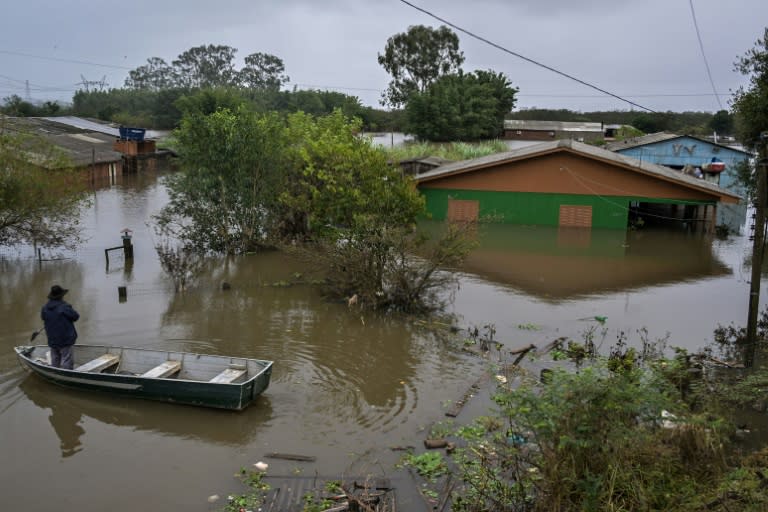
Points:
(179, 377)
(715, 165)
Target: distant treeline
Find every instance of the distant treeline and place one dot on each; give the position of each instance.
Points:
(690, 123)
(163, 109)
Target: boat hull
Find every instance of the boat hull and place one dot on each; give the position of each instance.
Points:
(189, 391)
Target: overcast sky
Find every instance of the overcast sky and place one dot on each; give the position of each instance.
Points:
(644, 51)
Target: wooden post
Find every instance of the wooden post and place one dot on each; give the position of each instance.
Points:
(122, 293)
(758, 251)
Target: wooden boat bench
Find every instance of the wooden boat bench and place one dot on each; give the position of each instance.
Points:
(229, 375)
(99, 364)
(164, 370)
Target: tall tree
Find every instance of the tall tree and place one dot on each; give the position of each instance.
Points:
(233, 164)
(462, 106)
(205, 66)
(40, 199)
(750, 105)
(155, 75)
(417, 58)
(262, 71)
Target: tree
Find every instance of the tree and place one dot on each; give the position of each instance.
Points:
(462, 106)
(40, 199)
(262, 71)
(205, 66)
(233, 166)
(417, 58)
(155, 75)
(339, 178)
(750, 106)
(722, 122)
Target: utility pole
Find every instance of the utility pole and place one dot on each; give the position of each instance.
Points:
(758, 250)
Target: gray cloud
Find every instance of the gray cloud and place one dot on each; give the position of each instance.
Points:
(647, 51)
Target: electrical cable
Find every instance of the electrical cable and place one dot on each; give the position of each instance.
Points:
(704, 55)
(549, 68)
(57, 59)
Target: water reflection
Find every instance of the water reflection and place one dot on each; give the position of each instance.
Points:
(68, 407)
(561, 264)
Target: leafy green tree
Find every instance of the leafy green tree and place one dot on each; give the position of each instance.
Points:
(750, 106)
(722, 122)
(417, 58)
(340, 178)
(469, 106)
(207, 101)
(40, 199)
(262, 71)
(155, 75)
(234, 162)
(205, 66)
(13, 105)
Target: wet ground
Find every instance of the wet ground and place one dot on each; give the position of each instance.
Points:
(346, 387)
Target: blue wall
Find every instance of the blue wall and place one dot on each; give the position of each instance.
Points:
(685, 150)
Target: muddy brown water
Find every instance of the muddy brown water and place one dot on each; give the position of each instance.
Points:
(346, 387)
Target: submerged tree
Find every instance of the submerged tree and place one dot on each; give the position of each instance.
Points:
(40, 193)
(233, 167)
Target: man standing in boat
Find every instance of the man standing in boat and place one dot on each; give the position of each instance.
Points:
(59, 319)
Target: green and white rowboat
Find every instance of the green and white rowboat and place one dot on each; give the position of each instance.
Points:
(178, 377)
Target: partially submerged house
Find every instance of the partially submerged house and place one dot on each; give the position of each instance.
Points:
(516, 129)
(90, 152)
(570, 184)
(685, 153)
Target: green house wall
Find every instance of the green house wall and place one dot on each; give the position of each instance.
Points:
(539, 209)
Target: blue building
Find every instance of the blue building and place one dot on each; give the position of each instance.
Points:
(710, 161)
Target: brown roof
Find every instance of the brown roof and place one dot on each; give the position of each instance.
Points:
(594, 152)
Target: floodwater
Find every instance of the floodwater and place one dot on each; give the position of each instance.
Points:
(346, 387)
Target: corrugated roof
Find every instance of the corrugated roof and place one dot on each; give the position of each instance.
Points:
(653, 138)
(97, 126)
(580, 148)
(557, 126)
(81, 146)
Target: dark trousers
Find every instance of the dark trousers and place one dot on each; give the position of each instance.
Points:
(61, 357)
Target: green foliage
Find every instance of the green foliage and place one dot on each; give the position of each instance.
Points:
(417, 58)
(253, 498)
(722, 122)
(750, 106)
(589, 441)
(341, 181)
(40, 193)
(234, 167)
(429, 465)
(450, 151)
(461, 106)
(13, 105)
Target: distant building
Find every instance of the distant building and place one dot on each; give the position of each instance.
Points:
(88, 151)
(569, 184)
(687, 154)
(515, 129)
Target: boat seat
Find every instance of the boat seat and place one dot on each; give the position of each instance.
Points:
(164, 370)
(228, 376)
(99, 364)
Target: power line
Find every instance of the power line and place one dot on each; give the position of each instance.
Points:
(57, 59)
(704, 55)
(549, 68)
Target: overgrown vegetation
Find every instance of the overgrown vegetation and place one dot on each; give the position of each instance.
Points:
(632, 430)
(450, 151)
(40, 193)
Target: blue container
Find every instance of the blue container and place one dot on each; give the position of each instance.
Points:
(127, 133)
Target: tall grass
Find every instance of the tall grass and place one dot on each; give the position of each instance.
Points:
(450, 151)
